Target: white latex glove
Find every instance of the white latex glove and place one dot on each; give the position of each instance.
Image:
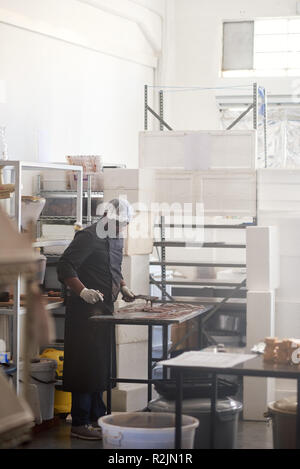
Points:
(127, 294)
(91, 296)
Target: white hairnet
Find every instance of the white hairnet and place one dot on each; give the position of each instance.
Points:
(117, 209)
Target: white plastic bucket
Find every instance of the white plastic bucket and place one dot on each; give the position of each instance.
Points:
(146, 430)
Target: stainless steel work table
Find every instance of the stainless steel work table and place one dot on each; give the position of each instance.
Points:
(255, 367)
(130, 316)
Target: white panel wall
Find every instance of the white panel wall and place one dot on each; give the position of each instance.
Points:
(157, 6)
(99, 24)
(77, 83)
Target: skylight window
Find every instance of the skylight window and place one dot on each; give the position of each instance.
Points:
(273, 49)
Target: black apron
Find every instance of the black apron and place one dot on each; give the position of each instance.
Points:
(97, 263)
(87, 345)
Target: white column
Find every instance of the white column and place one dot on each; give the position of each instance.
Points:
(262, 280)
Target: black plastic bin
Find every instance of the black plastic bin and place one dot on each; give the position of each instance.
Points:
(197, 387)
(226, 419)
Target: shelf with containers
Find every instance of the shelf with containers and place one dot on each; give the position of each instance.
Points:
(15, 171)
(58, 211)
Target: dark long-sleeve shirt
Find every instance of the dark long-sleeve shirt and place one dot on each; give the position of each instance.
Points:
(97, 262)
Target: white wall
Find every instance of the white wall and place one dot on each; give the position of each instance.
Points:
(157, 6)
(196, 38)
(74, 72)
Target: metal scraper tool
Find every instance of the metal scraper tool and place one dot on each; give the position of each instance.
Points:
(147, 298)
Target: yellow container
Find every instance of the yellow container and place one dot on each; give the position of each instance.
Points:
(62, 400)
(57, 355)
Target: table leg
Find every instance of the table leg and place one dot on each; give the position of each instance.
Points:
(110, 359)
(200, 338)
(149, 363)
(298, 415)
(213, 411)
(178, 410)
(165, 348)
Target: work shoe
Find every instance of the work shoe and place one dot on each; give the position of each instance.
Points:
(96, 426)
(97, 429)
(86, 432)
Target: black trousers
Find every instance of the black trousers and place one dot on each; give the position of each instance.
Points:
(86, 408)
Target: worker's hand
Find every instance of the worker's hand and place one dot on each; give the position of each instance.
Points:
(91, 296)
(128, 296)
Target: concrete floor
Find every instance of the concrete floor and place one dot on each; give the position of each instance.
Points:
(251, 435)
(254, 435)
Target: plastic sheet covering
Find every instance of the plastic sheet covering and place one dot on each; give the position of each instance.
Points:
(283, 135)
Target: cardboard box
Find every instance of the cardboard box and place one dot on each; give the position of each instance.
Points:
(138, 198)
(258, 392)
(226, 193)
(289, 279)
(220, 192)
(279, 189)
(138, 237)
(215, 149)
(135, 271)
(174, 187)
(262, 254)
(260, 316)
(132, 360)
(287, 323)
(130, 397)
(137, 185)
(132, 179)
(289, 235)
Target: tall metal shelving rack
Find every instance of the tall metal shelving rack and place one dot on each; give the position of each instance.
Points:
(237, 289)
(227, 290)
(69, 194)
(17, 168)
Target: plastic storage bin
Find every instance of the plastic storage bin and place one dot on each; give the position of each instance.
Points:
(43, 376)
(143, 430)
(283, 416)
(66, 207)
(227, 419)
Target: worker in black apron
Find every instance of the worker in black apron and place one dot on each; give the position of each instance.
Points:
(91, 269)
